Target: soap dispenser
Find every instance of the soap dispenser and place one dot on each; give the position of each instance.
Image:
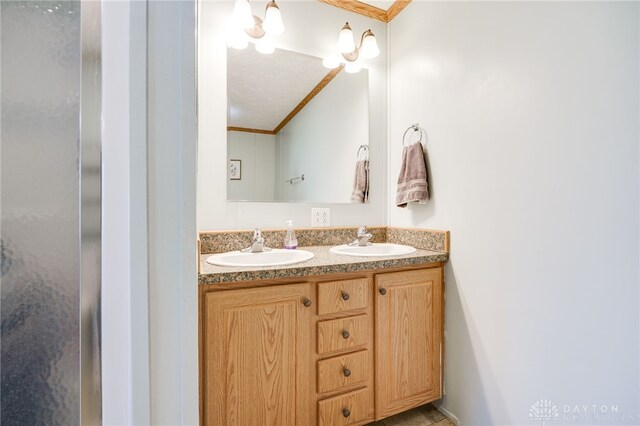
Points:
(290, 241)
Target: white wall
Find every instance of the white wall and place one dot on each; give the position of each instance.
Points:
(116, 278)
(258, 155)
(532, 111)
(312, 28)
(325, 154)
(125, 323)
(149, 317)
(171, 162)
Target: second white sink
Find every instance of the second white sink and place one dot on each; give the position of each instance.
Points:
(274, 257)
(378, 249)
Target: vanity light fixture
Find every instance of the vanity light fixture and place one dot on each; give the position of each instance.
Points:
(349, 53)
(246, 27)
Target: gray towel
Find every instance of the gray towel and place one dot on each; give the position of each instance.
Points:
(412, 182)
(360, 193)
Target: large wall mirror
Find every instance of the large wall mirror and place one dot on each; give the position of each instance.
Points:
(295, 129)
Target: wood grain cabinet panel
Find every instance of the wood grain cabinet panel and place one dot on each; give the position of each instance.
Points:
(343, 333)
(348, 409)
(343, 372)
(408, 341)
(257, 356)
(273, 354)
(342, 296)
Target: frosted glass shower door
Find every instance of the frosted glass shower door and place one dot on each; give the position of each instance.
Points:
(50, 212)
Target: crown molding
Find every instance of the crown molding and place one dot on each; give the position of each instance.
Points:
(368, 10)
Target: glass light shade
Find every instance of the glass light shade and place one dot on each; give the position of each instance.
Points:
(352, 67)
(265, 45)
(345, 40)
(242, 14)
(237, 38)
(369, 48)
(273, 19)
(331, 62)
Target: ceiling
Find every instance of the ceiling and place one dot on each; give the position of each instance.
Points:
(384, 5)
(263, 89)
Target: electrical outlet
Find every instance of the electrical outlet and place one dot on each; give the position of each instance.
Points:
(320, 218)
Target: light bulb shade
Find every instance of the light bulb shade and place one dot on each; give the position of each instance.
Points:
(345, 40)
(369, 48)
(331, 62)
(273, 19)
(265, 45)
(242, 14)
(237, 38)
(352, 67)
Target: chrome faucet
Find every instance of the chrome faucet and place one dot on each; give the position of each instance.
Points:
(362, 237)
(257, 243)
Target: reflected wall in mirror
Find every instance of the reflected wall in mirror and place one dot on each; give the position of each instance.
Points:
(296, 126)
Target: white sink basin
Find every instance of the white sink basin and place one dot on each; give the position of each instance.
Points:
(274, 257)
(380, 249)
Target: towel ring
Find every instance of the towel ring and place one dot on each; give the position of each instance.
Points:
(416, 128)
(364, 148)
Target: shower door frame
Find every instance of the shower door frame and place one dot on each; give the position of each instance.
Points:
(90, 215)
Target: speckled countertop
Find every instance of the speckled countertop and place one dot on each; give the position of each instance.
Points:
(323, 262)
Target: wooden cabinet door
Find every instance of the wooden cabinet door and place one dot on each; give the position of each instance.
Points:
(257, 356)
(409, 332)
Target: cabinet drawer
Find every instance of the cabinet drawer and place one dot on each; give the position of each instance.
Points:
(343, 371)
(341, 296)
(343, 333)
(350, 408)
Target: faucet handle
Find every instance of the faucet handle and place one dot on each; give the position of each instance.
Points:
(362, 230)
(258, 238)
(257, 233)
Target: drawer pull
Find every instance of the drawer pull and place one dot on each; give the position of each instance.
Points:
(346, 412)
(345, 296)
(383, 291)
(345, 334)
(346, 372)
(306, 302)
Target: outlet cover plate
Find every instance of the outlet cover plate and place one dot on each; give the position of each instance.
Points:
(320, 218)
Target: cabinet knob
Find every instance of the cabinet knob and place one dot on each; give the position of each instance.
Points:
(346, 412)
(346, 372)
(345, 296)
(345, 334)
(382, 291)
(306, 302)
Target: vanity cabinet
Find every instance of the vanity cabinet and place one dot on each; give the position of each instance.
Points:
(256, 352)
(409, 339)
(342, 349)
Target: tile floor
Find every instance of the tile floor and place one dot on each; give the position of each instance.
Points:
(425, 415)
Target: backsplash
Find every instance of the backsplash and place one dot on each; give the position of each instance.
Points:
(223, 241)
(425, 239)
